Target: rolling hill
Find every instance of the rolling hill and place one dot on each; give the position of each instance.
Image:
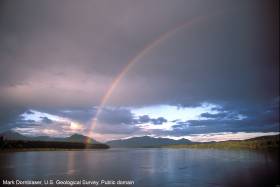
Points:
(78, 138)
(146, 141)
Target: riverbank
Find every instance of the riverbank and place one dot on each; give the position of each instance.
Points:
(20, 145)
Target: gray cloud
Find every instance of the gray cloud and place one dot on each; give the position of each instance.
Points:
(116, 116)
(147, 119)
(61, 57)
(65, 59)
(218, 115)
(46, 120)
(82, 115)
(257, 121)
(8, 116)
(223, 115)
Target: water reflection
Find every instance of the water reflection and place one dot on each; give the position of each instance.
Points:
(147, 167)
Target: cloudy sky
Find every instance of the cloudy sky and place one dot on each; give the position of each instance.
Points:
(204, 70)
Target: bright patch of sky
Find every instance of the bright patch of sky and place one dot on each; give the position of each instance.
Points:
(173, 114)
(57, 126)
(37, 116)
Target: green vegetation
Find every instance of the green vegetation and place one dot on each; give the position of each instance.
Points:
(265, 142)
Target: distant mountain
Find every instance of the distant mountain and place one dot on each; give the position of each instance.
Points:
(81, 138)
(45, 138)
(12, 135)
(146, 141)
(263, 142)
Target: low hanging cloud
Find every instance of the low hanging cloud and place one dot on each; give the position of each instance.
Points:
(116, 116)
(35, 123)
(147, 119)
(46, 120)
(214, 116)
(122, 122)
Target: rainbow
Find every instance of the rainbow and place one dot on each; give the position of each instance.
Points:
(132, 62)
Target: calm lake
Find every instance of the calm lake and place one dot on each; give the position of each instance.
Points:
(145, 167)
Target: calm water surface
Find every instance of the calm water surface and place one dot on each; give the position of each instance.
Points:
(147, 167)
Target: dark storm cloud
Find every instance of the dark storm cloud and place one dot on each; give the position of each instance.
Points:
(144, 119)
(8, 116)
(222, 115)
(61, 57)
(66, 53)
(29, 112)
(116, 121)
(225, 60)
(116, 116)
(117, 129)
(147, 119)
(46, 120)
(82, 115)
(218, 115)
(158, 121)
